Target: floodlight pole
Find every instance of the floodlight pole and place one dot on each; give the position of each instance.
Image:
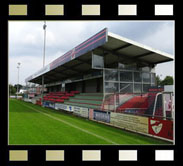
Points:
(44, 48)
(18, 67)
(44, 28)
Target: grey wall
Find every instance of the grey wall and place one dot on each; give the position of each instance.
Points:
(79, 86)
(91, 85)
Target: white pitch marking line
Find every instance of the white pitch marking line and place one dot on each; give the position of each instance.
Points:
(86, 131)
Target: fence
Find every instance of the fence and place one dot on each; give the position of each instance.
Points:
(148, 104)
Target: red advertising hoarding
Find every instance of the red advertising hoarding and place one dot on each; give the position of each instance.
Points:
(161, 128)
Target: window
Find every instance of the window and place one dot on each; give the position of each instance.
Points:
(153, 79)
(127, 66)
(147, 69)
(146, 87)
(97, 61)
(111, 75)
(146, 77)
(111, 87)
(126, 88)
(126, 76)
(137, 88)
(137, 77)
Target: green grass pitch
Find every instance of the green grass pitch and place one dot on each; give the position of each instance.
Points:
(34, 125)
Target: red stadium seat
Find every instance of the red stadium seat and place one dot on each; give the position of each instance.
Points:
(75, 92)
(64, 97)
(135, 102)
(58, 96)
(59, 100)
(69, 94)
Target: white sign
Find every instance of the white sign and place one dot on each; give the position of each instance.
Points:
(80, 111)
(64, 107)
(60, 106)
(70, 108)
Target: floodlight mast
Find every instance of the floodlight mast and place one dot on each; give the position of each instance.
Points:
(44, 48)
(18, 67)
(44, 28)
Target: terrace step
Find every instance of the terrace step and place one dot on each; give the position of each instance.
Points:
(91, 94)
(88, 101)
(83, 105)
(88, 97)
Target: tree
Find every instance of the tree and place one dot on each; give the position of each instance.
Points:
(19, 86)
(168, 80)
(12, 89)
(158, 80)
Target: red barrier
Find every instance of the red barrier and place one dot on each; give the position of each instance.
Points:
(161, 128)
(90, 114)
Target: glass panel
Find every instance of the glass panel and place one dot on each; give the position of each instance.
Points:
(137, 88)
(127, 66)
(126, 88)
(153, 80)
(111, 87)
(146, 87)
(146, 77)
(137, 77)
(126, 76)
(97, 61)
(121, 66)
(111, 75)
(147, 69)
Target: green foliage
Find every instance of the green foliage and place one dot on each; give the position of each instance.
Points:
(168, 80)
(158, 80)
(19, 86)
(12, 89)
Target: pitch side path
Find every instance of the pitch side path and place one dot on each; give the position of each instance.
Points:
(31, 124)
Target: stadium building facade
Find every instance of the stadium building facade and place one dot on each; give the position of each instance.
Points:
(108, 74)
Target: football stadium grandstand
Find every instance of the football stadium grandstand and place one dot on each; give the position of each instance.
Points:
(109, 79)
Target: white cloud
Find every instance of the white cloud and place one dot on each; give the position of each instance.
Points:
(165, 69)
(162, 38)
(29, 65)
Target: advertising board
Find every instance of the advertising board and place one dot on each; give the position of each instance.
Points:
(161, 128)
(48, 104)
(45, 104)
(64, 107)
(101, 116)
(31, 95)
(81, 111)
(33, 101)
(90, 114)
(156, 89)
(51, 105)
(70, 108)
(130, 122)
(60, 106)
(27, 100)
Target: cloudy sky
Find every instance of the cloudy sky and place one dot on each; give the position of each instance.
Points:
(26, 41)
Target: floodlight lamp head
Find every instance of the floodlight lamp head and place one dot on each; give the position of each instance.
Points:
(44, 26)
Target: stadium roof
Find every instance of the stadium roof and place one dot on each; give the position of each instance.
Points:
(113, 47)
